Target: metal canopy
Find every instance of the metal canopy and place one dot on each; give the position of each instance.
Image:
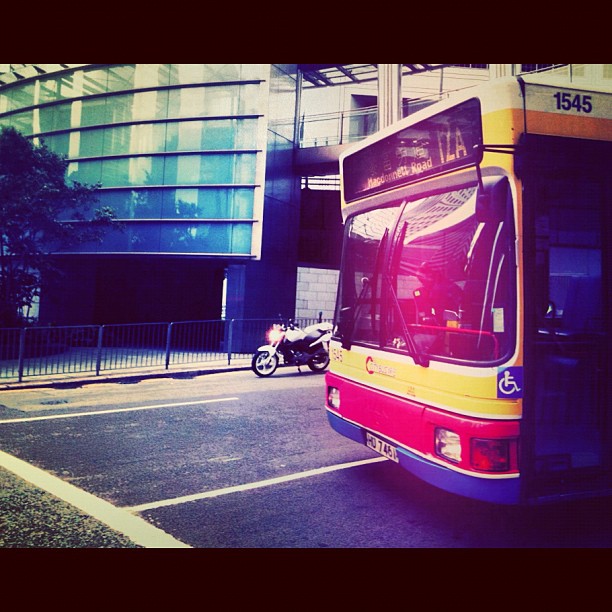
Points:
(325, 75)
(315, 75)
(10, 73)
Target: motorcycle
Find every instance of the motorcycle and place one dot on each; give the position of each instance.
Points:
(297, 347)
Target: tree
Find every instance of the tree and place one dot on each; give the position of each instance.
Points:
(40, 214)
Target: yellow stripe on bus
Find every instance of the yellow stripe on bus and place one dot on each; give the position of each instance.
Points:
(467, 395)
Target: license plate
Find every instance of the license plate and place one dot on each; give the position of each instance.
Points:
(380, 446)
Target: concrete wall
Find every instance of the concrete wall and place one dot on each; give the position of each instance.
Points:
(316, 292)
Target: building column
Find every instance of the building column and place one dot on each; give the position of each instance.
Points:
(498, 71)
(389, 94)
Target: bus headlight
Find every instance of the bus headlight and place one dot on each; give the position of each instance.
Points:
(448, 444)
(333, 397)
(490, 455)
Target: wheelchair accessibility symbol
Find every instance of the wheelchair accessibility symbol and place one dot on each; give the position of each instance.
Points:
(510, 382)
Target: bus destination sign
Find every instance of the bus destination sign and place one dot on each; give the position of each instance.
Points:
(444, 142)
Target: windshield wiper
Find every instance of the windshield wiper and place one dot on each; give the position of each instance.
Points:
(419, 358)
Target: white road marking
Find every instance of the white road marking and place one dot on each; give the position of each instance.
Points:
(137, 529)
(253, 485)
(123, 519)
(113, 411)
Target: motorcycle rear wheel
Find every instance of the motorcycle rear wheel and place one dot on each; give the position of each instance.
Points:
(264, 364)
(318, 363)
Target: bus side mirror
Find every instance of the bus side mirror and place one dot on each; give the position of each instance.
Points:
(491, 201)
(344, 326)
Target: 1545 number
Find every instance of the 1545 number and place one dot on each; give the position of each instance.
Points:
(579, 102)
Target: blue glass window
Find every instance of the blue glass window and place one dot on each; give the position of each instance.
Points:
(121, 78)
(214, 101)
(59, 87)
(132, 203)
(218, 169)
(197, 238)
(119, 109)
(149, 105)
(85, 172)
(59, 143)
(94, 81)
(213, 134)
(210, 238)
(91, 143)
(92, 112)
(241, 238)
(116, 171)
(22, 122)
(55, 117)
(213, 203)
(20, 97)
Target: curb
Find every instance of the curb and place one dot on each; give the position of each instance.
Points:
(67, 381)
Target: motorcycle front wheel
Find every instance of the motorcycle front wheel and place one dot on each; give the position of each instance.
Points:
(318, 362)
(264, 364)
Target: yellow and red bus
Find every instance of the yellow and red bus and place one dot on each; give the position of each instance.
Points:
(471, 334)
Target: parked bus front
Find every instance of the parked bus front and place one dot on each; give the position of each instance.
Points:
(466, 229)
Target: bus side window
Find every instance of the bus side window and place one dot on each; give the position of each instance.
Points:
(582, 311)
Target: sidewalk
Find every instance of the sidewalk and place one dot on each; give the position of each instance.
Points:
(76, 379)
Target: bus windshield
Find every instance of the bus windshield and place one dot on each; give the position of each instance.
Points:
(442, 288)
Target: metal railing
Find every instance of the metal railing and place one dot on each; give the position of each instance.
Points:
(342, 127)
(47, 351)
(337, 127)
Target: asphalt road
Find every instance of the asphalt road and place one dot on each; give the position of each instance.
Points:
(229, 460)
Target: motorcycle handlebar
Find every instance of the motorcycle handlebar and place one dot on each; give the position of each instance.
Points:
(287, 323)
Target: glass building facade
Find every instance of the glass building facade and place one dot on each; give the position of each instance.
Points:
(179, 149)
(182, 154)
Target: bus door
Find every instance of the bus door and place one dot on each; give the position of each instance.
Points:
(567, 408)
